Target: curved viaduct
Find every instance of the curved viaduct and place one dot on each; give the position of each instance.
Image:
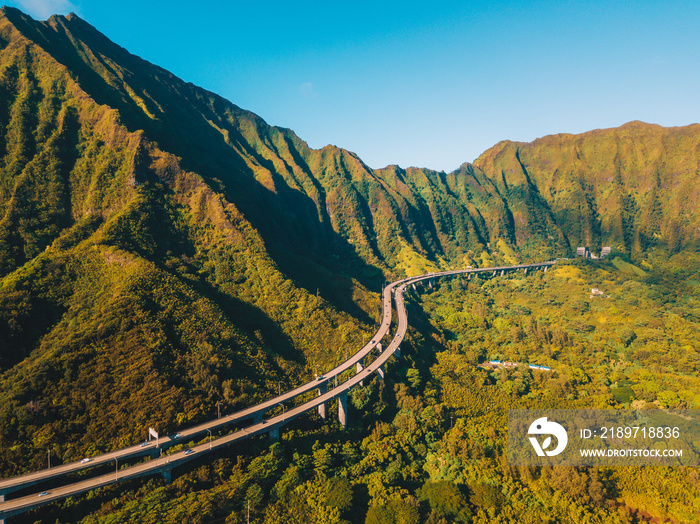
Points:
(165, 464)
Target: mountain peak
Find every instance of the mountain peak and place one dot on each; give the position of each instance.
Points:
(639, 123)
(146, 220)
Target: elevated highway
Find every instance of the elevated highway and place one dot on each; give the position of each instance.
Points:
(165, 464)
(255, 412)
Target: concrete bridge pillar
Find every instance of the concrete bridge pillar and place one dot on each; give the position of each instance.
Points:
(380, 372)
(167, 474)
(322, 407)
(494, 274)
(503, 272)
(397, 353)
(359, 367)
(343, 410)
(414, 287)
(526, 271)
(545, 268)
(274, 434)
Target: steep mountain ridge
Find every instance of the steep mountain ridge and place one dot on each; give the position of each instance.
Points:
(326, 203)
(634, 187)
(132, 292)
(162, 249)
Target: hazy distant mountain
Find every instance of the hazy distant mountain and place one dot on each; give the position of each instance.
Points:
(162, 249)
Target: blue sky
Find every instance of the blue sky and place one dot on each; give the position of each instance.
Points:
(416, 84)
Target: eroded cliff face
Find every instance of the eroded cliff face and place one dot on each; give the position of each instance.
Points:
(633, 187)
(162, 249)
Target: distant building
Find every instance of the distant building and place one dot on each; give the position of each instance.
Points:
(583, 252)
(605, 252)
(595, 292)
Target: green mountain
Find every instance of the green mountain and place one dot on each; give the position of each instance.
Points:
(162, 249)
(134, 292)
(634, 187)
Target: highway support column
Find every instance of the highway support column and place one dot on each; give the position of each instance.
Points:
(322, 407)
(359, 367)
(274, 434)
(167, 474)
(343, 409)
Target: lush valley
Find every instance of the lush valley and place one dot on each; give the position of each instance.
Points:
(436, 447)
(163, 250)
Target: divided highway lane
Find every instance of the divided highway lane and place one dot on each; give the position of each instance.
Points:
(155, 466)
(159, 465)
(29, 479)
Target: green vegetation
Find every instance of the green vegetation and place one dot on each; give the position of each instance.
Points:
(162, 250)
(429, 444)
(629, 187)
(635, 341)
(126, 302)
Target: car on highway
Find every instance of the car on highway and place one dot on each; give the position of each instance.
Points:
(85, 460)
(189, 452)
(144, 444)
(44, 493)
(176, 436)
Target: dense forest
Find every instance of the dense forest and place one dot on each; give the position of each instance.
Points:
(163, 251)
(429, 443)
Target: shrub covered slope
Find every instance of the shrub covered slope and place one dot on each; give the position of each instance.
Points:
(162, 250)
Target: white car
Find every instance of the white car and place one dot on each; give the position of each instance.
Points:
(85, 460)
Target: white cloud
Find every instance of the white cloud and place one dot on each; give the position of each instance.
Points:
(42, 9)
(307, 90)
